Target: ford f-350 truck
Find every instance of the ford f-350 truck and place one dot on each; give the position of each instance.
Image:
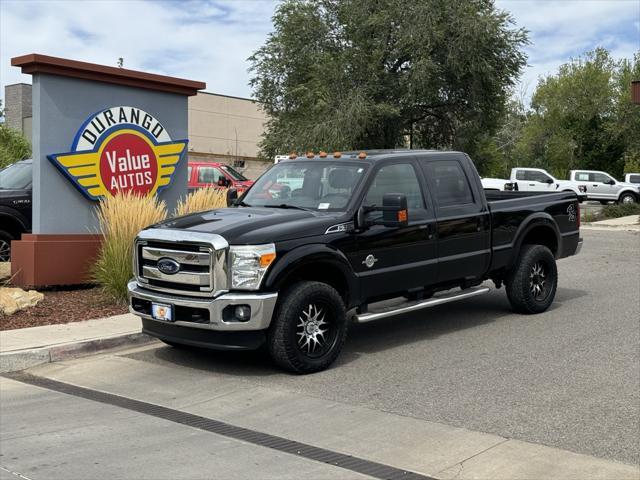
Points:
(291, 268)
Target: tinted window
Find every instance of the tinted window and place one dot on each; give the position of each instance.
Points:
(209, 175)
(534, 176)
(451, 184)
(16, 176)
(397, 178)
(521, 175)
(600, 177)
(634, 178)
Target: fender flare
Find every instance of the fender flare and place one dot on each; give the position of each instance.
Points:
(628, 190)
(14, 216)
(308, 254)
(535, 220)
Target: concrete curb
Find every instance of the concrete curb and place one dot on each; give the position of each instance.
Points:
(610, 228)
(16, 360)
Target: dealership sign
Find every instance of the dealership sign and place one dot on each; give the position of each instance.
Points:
(120, 149)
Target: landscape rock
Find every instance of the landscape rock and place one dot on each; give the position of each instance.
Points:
(5, 270)
(15, 299)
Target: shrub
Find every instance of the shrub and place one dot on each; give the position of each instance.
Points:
(202, 200)
(121, 218)
(621, 210)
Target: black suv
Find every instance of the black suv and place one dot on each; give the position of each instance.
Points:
(15, 204)
(317, 242)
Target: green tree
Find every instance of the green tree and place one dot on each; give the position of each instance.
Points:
(13, 145)
(351, 74)
(582, 117)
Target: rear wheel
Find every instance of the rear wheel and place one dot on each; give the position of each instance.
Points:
(5, 246)
(308, 329)
(627, 198)
(531, 286)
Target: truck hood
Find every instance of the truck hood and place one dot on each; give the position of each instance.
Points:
(254, 225)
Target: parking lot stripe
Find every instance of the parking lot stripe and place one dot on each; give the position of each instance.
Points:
(310, 452)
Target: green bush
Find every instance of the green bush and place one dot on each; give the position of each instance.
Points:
(13, 146)
(621, 210)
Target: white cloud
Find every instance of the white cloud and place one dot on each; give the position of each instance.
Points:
(210, 40)
(207, 41)
(564, 29)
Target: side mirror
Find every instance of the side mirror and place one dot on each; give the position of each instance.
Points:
(223, 182)
(549, 181)
(611, 182)
(232, 196)
(394, 212)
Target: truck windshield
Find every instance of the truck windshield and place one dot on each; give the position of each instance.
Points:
(234, 173)
(309, 185)
(16, 176)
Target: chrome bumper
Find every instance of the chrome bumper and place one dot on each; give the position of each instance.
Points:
(262, 307)
(579, 247)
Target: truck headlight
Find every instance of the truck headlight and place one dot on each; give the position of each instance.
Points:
(249, 263)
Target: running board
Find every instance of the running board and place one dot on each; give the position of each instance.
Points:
(420, 304)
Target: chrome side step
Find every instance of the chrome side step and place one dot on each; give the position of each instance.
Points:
(407, 307)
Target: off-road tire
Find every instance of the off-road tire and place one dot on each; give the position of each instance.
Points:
(627, 195)
(283, 335)
(5, 243)
(519, 282)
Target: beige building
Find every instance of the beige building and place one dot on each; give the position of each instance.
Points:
(227, 129)
(221, 128)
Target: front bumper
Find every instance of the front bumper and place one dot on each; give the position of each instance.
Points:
(208, 311)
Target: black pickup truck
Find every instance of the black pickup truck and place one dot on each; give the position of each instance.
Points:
(15, 205)
(323, 240)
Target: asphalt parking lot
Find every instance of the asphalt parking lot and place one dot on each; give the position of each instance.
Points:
(568, 378)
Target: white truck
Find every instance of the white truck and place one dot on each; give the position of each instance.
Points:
(632, 178)
(603, 187)
(535, 180)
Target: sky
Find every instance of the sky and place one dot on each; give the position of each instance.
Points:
(210, 40)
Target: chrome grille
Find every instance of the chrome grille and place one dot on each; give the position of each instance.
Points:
(201, 259)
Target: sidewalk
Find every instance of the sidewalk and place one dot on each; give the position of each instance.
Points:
(26, 347)
(629, 223)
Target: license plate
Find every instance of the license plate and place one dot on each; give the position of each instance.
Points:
(160, 311)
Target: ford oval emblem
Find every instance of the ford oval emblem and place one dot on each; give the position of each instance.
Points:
(168, 266)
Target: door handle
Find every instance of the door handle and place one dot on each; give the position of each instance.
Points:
(532, 184)
(428, 228)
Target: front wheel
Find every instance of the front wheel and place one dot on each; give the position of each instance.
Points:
(627, 198)
(309, 328)
(5, 246)
(531, 286)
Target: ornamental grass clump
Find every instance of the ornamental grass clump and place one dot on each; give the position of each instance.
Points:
(202, 200)
(121, 218)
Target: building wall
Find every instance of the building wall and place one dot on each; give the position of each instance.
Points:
(227, 129)
(17, 108)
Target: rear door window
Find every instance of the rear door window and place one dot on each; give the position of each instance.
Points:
(583, 177)
(209, 175)
(450, 183)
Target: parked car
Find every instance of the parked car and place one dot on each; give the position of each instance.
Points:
(603, 187)
(15, 204)
(632, 178)
(292, 271)
(535, 180)
(208, 174)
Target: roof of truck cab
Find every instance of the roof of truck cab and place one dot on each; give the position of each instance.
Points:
(373, 155)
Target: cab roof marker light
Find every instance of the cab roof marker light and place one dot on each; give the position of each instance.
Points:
(362, 155)
(322, 154)
(293, 155)
(337, 154)
(310, 154)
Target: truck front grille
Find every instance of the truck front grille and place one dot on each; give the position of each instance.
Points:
(201, 266)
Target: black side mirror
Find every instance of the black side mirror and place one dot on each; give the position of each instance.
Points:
(549, 181)
(611, 182)
(394, 212)
(232, 196)
(223, 182)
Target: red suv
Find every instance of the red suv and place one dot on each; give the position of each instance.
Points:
(208, 174)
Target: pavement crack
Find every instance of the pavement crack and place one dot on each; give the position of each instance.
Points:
(460, 465)
(11, 472)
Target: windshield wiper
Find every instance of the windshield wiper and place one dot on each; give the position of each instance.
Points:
(242, 204)
(286, 205)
